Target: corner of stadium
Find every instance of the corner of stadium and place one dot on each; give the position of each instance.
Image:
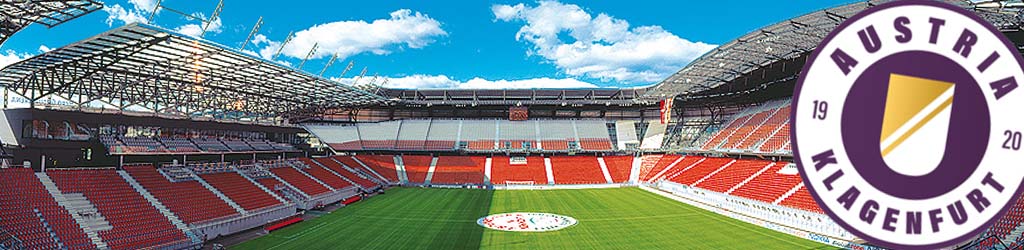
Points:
(198, 145)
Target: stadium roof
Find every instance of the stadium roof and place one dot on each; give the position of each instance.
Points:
(791, 39)
(139, 65)
(555, 97)
(18, 14)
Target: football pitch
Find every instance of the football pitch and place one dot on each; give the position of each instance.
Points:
(622, 218)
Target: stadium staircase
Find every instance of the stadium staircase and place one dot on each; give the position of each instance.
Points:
(403, 176)
(430, 171)
(548, 171)
(634, 170)
(77, 205)
(177, 222)
(488, 164)
(604, 170)
(216, 192)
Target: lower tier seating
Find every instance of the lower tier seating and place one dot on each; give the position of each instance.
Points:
(770, 185)
(533, 170)
(733, 175)
(337, 168)
(576, 170)
(300, 181)
(324, 175)
(459, 170)
(694, 174)
(802, 199)
(189, 200)
(416, 167)
(136, 223)
(651, 165)
(26, 209)
(240, 190)
(619, 167)
(382, 164)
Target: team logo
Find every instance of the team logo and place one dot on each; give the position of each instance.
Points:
(907, 125)
(526, 222)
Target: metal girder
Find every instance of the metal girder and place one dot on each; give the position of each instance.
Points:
(145, 66)
(792, 38)
(15, 15)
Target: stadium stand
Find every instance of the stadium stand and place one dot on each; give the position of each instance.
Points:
(28, 212)
(240, 190)
(770, 185)
(576, 170)
(619, 167)
(337, 167)
(189, 200)
(134, 222)
(412, 135)
(528, 169)
(732, 175)
(687, 162)
(700, 171)
(459, 170)
(416, 167)
(304, 183)
(652, 165)
(319, 172)
(802, 199)
(442, 135)
(381, 164)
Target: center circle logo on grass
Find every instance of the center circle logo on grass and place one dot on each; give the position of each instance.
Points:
(907, 125)
(526, 222)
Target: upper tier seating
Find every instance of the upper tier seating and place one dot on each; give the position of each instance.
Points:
(299, 180)
(381, 164)
(210, 144)
(745, 130)
(766, 129)
(619, 167)
(459, 170)
(479, 134)
(240, 190)
(179, 145)
(442, 134)
(380, 135)
(412, 135)
(502, 170)
(189, 200)
(576, 170)
(136, 223)
(337, 168)
(24, 207)
(777, 140)
(416, 167)
(763, 128)
(322, 174)
(593, 135)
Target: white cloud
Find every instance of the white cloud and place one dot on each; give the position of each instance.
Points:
(346, 38)
(118, 13)
(443, 81)
(10, 57)
(44, 49)
(603, 47)
(195, 30)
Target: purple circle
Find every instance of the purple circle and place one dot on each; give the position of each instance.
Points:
(796, 101)
(965, 140)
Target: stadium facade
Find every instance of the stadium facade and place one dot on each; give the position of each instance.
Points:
(141, 137)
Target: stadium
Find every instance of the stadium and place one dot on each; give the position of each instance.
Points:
(200, 145)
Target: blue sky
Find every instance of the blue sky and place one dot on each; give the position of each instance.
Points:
(455, 44)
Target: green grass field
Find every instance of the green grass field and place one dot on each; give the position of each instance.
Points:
(625, 218)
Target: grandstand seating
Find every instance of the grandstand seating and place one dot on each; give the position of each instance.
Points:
(240, 190)
(28, 212)
(189, 200)
(576, 170)
(654, 164)
(416, 167)
(777, 140)
(720, 136)
(412, 135)
(210, 144)
(459, 170)
(770, 185)
(619, 167)
(382, 164)
(359, 180)
(442, 135)
(533, 171)
(136, 223)
(683, 165)
(179, 145)
(692, 175)
(322, 174)
(1013, 219)
(273, 185)
(733, 175)
(299, 180)
(802, 199)
(747, 129)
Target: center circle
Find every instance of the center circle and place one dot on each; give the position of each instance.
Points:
(526, 222)
(968, 126)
